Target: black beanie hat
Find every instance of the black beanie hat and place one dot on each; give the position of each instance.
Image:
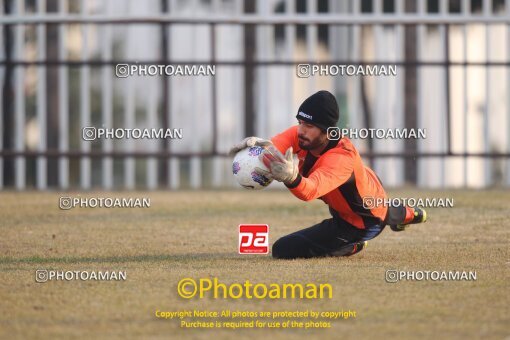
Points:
(320, 109)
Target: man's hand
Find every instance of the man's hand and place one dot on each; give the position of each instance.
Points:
(282, 168)
(247, 143)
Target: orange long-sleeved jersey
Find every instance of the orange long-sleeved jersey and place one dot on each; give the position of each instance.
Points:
(338, 177)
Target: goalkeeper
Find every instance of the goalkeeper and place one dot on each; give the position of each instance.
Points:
(332, 171)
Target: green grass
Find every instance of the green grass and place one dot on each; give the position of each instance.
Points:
(194, 234)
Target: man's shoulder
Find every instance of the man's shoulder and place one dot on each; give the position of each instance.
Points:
(290, 132)
(344, 147)
(292, 129)
(342, 155)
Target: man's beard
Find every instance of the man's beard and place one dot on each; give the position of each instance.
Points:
(310, 145)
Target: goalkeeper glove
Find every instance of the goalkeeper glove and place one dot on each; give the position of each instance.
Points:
(281, 168)
(247, 143)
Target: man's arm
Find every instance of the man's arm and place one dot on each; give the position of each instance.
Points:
(286, 139)
(332, 171)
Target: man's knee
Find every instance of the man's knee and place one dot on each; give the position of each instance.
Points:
(295, 246)
(287, 247)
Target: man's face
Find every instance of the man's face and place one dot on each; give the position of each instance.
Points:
(310, 137)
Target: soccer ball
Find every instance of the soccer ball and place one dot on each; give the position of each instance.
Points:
(243, 168)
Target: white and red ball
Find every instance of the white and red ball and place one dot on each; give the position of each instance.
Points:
(243, 168)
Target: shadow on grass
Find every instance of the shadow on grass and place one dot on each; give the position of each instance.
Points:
(182, 258)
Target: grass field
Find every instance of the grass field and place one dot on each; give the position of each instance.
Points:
(194, 234)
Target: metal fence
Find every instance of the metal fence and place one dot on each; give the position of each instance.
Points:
(57, 65)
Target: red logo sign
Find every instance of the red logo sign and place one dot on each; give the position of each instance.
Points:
(253, 239)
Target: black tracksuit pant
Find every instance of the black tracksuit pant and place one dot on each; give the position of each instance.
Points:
(331, 237)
